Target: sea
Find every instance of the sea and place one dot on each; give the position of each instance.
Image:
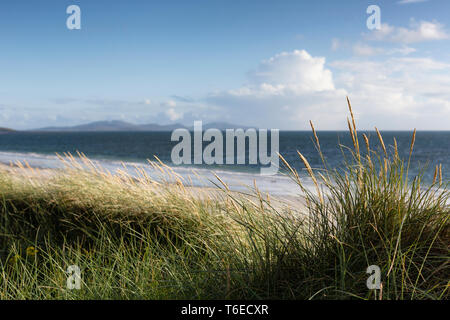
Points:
(113, 150)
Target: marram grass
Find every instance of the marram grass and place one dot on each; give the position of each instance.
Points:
(134, 237)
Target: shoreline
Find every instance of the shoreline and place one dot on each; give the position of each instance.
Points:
(279, 184)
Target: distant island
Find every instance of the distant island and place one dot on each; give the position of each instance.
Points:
(6, 130)
(122, 126)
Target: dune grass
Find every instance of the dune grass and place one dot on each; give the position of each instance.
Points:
(135, 237)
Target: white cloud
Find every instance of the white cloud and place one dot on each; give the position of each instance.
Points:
(173, 115)
(284, 91)
(335, 44)
(293, 87)
(405, 50)
(417, 32)
(295, 71)
(399, 93)
(169, 103)
(363, 49)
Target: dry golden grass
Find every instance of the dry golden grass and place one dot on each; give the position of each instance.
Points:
(142, 237)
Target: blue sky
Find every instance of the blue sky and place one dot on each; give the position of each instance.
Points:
(275, 64)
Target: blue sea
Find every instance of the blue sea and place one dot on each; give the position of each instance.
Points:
(110, 149)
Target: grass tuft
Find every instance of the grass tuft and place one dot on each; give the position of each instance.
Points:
(135, 237)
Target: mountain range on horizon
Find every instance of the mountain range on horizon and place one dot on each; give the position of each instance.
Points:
(123, 126)
(5, 130)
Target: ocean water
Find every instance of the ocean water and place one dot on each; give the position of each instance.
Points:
(110, 149)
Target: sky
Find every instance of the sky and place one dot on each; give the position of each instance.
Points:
(266, 63)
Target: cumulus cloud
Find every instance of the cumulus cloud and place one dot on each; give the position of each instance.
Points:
(296, 72)
(283, 91)
(291, 88)
(173, 115)
(417, 32)
(399, 93)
